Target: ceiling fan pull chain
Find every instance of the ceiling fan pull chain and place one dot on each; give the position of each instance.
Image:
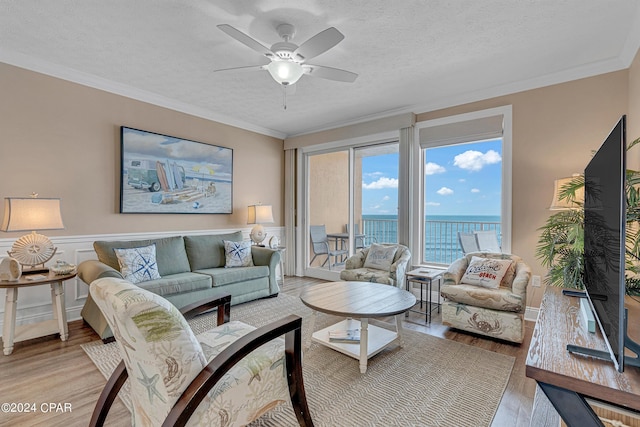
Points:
(284, 97)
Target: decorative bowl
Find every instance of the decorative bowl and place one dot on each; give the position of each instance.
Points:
(62, 269)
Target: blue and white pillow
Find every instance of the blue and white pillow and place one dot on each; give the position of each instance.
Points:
(238, 254)
(138, 264)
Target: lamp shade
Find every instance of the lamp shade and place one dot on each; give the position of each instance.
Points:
(260, 214)
(558, 204)
(30, 214)
(285, 72)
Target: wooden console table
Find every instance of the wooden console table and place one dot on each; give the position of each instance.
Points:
(566, 378)
(12, 333)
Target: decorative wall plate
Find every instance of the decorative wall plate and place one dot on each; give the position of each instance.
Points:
(33, 249)
(274, 242)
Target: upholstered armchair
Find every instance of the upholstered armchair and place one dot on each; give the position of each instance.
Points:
(227, 376)
(381, 267)
(496, 310)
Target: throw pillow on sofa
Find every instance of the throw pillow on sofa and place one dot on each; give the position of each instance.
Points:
(238, 254)
(486, 272)
(138, 264)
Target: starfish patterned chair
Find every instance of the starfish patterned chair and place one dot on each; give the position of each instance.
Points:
(227, 376)
(384, 263)
(484, 304)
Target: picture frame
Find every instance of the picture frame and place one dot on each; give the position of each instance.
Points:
(162, 174)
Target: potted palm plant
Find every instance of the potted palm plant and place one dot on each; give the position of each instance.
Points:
(561, 242)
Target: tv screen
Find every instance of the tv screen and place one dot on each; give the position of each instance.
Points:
(604, 239)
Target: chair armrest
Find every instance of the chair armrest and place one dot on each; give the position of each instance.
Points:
(193, 395)
(222, 302)
(355, 261)
(108, 395)
(454, 273)
(521, 281)
(92, 269)
(399, 267)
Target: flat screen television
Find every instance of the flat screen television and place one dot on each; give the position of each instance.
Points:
(604, 239)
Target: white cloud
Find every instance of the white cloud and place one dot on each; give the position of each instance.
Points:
(474, 161)
(475, 190)
(383, 182)
(462, 180)
(444, 191)
(432, 204)
(385, 198)
(431, 168)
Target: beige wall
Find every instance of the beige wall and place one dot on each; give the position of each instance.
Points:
(555, 130)
(62, 139)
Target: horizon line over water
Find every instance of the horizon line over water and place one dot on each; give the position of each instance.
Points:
(466, 218)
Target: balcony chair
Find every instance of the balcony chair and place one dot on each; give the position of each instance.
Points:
(229, 375)
(385, 265)
(362, 241)
(485, 297)
(479, 241)
(321, 246)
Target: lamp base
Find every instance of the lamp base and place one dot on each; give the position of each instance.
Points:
(257, 234)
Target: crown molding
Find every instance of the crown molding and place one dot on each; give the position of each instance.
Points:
(54, 70)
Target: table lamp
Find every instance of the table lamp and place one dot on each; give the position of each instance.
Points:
(32, 250)
(558, 204)
(258, 215)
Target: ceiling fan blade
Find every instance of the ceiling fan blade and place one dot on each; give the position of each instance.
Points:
(243, 69)
(320, 43)
(330, 73)
(246, 40)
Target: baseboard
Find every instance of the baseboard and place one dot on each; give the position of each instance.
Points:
(531, 314)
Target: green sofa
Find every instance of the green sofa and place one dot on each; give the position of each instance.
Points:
(192, 268)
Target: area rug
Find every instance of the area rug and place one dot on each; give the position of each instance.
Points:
(428, 382)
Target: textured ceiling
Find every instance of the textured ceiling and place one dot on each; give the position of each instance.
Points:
(410, 55)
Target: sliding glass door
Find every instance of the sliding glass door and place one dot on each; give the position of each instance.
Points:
(351, 201)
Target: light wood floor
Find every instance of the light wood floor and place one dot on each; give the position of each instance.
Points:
(46, 370)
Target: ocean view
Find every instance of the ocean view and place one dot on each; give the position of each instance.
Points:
(441, 232)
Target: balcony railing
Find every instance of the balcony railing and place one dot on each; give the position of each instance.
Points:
(440, 236)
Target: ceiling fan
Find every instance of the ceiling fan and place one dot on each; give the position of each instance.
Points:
(288, 60)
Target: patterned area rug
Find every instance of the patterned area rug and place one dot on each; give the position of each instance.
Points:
(428, 382)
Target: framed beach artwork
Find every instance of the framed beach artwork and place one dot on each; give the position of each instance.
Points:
(165, 174)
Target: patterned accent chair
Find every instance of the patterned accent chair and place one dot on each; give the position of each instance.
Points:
(498, 312)
(356, 271)
(227, 376)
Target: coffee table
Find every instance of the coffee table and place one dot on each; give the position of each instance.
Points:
(358, 300)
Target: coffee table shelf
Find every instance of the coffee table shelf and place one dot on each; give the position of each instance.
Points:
(378, 339)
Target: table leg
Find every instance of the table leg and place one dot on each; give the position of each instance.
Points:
(399, 329)
(59, 311)
(312, 327)
(9, 326)
(429, 301)
(572, 407)
(364, 344)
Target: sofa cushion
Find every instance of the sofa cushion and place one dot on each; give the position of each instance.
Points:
(170, 253)
(177, 283)
(208, 251)
(226, 276)
(138, 264)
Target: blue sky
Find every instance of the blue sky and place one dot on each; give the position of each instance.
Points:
(463, 179)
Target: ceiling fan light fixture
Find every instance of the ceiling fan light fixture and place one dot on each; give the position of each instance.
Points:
(285, 72)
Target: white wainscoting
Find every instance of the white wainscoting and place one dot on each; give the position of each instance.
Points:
(34, 304)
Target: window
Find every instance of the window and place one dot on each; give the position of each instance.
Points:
(465, 167)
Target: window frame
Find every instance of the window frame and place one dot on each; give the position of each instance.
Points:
(417, 243)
